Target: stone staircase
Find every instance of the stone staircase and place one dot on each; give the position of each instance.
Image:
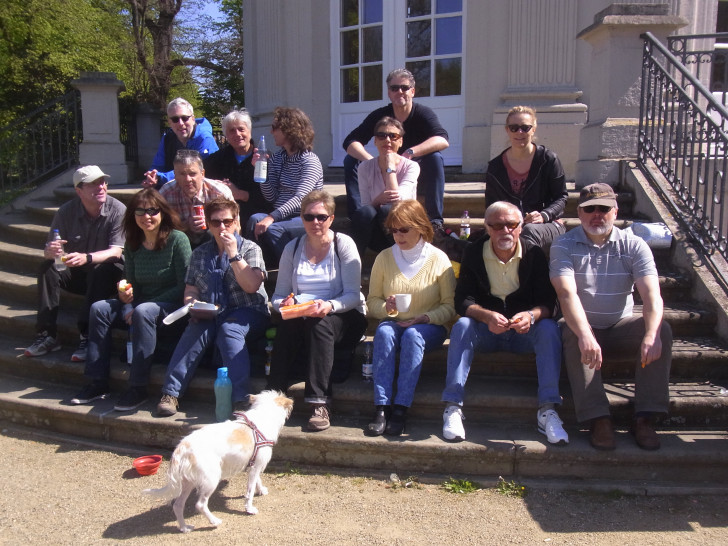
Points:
(500, 405)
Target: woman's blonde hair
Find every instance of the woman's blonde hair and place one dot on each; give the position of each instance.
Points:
(522, 110)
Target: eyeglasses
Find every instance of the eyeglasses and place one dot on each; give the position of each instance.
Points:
(500, 225)
(402, 88)
(150, 211)
(402, 230)
(514, 128)
(214, 222)
(589, 209)
(175, 119)
(392, 136)
(320, 217)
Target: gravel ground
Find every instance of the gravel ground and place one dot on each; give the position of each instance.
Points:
(55, 490)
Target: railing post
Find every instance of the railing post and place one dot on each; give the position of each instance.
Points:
(614, 93)
(100, 113)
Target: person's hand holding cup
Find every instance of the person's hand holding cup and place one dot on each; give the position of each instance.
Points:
(402, 301)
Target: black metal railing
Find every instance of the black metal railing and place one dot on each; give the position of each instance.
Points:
(41, 144)
(682, 130)
(128, 130)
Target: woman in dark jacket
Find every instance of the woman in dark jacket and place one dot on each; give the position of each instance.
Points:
(529, 176)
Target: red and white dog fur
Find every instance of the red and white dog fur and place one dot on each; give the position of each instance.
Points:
(221, 450)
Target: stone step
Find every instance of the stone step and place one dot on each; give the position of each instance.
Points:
(489, 450)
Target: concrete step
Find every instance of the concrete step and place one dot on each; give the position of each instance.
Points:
(488, 451)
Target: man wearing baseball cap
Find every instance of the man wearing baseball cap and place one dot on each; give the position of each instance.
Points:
(90, 227)
(594, 269)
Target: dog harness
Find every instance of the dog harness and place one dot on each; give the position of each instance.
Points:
(260, 440)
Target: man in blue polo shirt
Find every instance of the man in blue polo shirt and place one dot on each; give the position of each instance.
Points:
(594, 269)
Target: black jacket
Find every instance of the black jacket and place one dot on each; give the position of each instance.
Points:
(535, 288)
(543, 191)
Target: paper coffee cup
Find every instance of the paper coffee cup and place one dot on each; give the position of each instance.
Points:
(403, 302)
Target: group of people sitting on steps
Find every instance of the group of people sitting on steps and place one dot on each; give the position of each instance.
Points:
(202, 230)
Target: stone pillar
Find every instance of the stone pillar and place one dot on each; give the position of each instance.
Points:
(100, 112)
(616, 71)
(541, 60)
(148, 125)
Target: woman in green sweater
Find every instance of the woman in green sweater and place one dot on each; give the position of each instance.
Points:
(156, 256)
(416, 268)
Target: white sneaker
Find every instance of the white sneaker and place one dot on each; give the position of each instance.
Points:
(550, 425)
(452, 427)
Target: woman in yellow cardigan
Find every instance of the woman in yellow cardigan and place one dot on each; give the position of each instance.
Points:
(414, 267)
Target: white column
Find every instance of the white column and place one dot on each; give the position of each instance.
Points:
(100, 112)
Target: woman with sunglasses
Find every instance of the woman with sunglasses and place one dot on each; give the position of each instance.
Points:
(228, 272)
(383, 180)
(185, 132)
(321, 267)
(156, 255)
(531, 177)
(293, 172)
(414, 267)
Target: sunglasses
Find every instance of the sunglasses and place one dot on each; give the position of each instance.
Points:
(320, 217)
(589, 209)
(217, 223)
(514, 128)
(392, 136)
(500, 225)
(150, 211)
(403, 88)
(175, 119)
(399, 230)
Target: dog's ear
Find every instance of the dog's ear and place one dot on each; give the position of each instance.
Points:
(252, 398)
(286, 403)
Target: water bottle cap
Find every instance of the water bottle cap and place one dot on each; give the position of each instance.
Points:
(222, 372)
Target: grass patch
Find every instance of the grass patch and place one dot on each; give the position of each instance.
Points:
(453, 485)
(7, 196)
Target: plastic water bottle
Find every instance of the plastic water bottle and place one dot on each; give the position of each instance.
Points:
(223, 396)
(367, 371)
(129, 346)
(60, 263)
(465, 225)
(261, 166)
(270, 335)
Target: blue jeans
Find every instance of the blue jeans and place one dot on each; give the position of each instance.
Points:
(107, 314)
(470, 335)
(431, 184)
(229, 337)
(276, 237)
(413, 342)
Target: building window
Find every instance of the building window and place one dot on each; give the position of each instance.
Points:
(361, 50)
(434, 46)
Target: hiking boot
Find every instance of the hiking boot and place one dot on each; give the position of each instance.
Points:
(644, 434)
(319, 418)
(43, 344)
(79, 355)
(602, 434)
(167, 405)
(452, 424)
(550, 425)
(131, 399)
(93, 391)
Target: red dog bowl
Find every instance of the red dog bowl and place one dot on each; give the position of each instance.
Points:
(147, 465)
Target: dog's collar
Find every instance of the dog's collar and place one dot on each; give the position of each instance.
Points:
(260, 440)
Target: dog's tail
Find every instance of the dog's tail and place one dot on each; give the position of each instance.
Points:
(179, 470)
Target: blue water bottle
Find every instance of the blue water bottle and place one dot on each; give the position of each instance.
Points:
(223, 395)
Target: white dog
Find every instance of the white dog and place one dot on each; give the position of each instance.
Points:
(222, 450)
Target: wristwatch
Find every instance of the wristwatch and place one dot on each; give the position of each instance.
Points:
(236, 258)
(533, 319)
(89, 259)
(410, 152)
(390, 170)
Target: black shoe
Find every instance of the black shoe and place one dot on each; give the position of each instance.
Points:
(396, 424)
(376, 427)
(132, 399)
(93, 391)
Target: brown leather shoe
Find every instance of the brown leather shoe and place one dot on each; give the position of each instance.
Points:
(602, 434)
(644, 434)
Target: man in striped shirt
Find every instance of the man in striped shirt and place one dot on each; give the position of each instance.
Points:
(594, 269)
